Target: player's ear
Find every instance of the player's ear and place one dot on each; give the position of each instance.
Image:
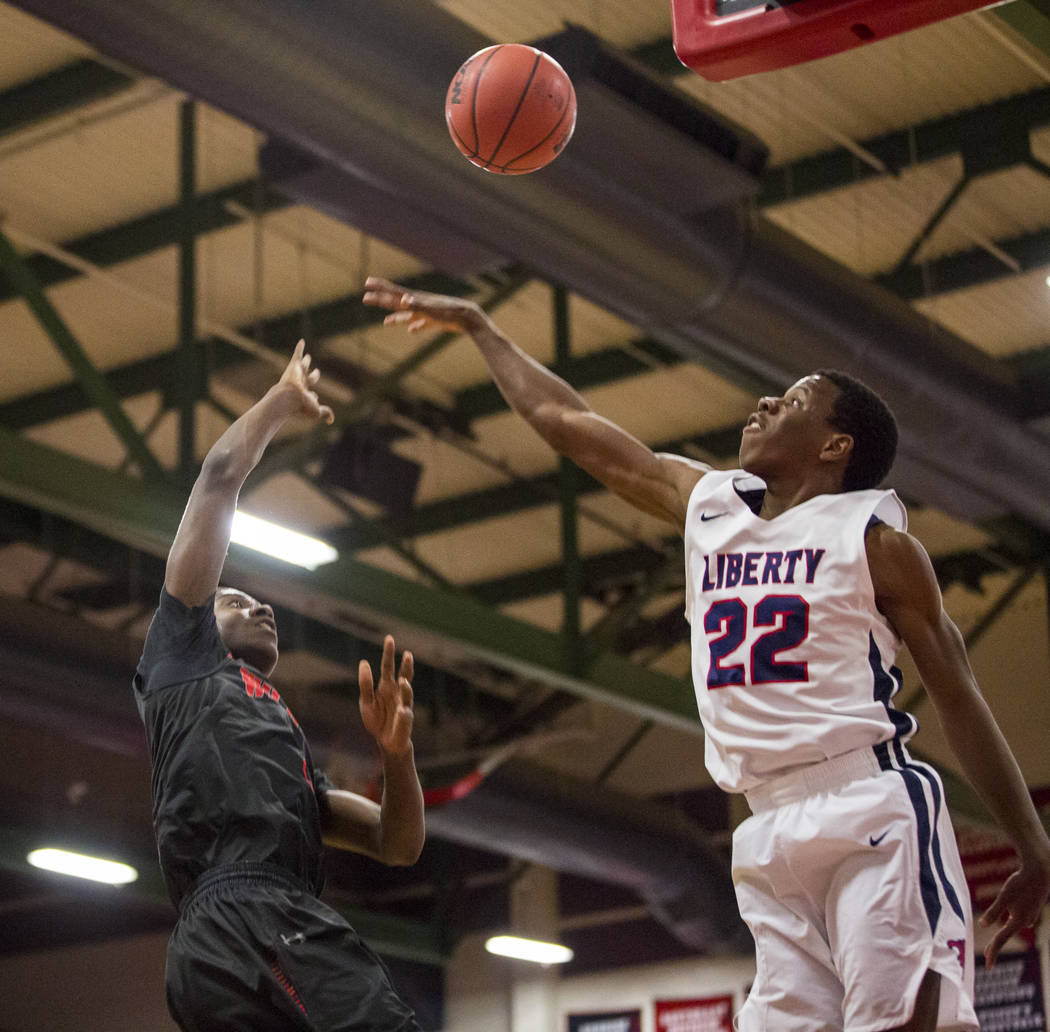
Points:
(837, 447)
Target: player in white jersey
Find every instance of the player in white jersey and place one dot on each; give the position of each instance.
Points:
(802, 582)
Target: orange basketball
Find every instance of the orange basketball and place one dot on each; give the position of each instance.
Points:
(511, 109)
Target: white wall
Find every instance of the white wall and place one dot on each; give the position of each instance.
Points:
(480, 989)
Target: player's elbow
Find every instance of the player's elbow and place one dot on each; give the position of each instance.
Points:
(220, 470)
(404, 853)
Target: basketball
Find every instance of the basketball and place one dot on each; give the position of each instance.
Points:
(511, 109)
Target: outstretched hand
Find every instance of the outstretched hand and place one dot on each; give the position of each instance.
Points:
(1018, 906)
(386, 708)
(299, 375)
(419, 310)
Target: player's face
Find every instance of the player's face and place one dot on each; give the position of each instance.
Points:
(788, 433)
(247, 628)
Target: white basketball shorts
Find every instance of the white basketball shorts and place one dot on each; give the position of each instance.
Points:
(849, 878)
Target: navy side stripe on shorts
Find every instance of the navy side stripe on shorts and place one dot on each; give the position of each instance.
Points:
(935, 788)
(892, 756)
(931, 899)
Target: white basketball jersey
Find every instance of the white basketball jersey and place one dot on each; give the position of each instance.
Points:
(792, 661)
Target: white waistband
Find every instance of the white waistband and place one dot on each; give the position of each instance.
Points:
(818, 777)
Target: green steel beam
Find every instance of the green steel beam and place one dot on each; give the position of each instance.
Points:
(345, 314)
(582, 371)
(1029, 18)
(595, 570)
(57, 92)
(146, 517)
(968, 268)
(94, 384)
(389, 935)
(151, 232)
(159, 372)
(932, 223)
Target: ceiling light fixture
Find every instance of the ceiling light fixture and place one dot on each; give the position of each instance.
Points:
(280, 542)
(77, 865)
(528, 949)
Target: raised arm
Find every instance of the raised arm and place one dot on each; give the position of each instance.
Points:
(392, 832)
(199, 549)
(657, 484)
(907, 593)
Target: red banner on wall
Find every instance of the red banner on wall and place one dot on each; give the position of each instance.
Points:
(712, 1014)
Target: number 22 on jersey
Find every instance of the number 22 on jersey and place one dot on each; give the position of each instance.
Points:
(786, 616)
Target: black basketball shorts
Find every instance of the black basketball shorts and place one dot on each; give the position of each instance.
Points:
(254, 951)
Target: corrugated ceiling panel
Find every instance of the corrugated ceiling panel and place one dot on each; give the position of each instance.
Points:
(625, 23)
(868, 227)
(114, 168)
(29, 48)
(1003, 317)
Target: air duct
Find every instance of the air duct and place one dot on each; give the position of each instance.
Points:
(535, 814)
(360, 86)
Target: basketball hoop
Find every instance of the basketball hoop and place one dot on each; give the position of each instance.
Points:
(725, 39)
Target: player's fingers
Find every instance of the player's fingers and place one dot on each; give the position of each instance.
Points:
(407, 695)
(327, 414)
(364, 681)
(314, 375)
(402, 728)
(991, 952)
(299, 349)
(387, 669)
(408, 666)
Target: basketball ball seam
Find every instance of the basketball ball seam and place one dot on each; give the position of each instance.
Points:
(537, 145)
(517, 108)
(476, 149)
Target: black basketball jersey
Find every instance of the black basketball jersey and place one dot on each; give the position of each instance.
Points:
(232, 777)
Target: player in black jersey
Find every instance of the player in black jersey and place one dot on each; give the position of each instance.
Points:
(240, 813)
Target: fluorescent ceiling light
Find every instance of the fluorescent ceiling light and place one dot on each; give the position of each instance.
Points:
(79, 866)
(529, 949)
(280, 542)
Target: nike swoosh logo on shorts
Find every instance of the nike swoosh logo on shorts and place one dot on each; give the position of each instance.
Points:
(873, 841)
(704, 517)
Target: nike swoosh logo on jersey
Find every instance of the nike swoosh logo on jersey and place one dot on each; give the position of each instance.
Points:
(873, 841)
(704, 517)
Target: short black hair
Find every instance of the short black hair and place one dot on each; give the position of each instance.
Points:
(861, 413)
